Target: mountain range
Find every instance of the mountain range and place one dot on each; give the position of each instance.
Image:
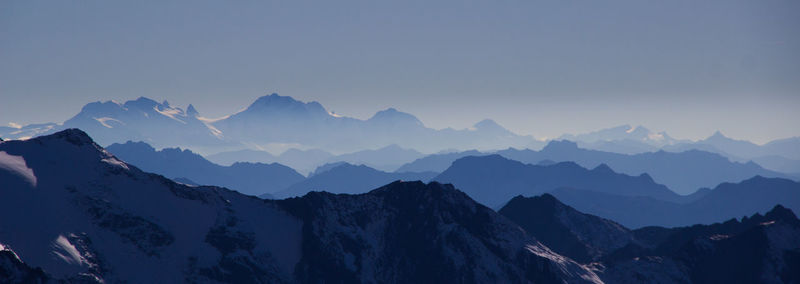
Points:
(782, 155)
(280, 122)
(76, 213)
(270, 120)
(388, 158)
(683, 172)
(188, 167)
(493, 180)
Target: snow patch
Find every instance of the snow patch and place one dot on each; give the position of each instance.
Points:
(115, 162)
(17, 165)
(104, 121)
(171, 113)
(67, 252)
(15, 125)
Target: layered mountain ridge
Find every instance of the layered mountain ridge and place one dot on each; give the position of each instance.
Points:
(98, 219)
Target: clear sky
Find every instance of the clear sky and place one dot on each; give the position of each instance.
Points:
(537, 67)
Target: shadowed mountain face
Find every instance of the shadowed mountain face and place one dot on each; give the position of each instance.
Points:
(247, 178)
(13, 270)
(727, 200)
(78, 211)
(582, 237)
(493, 180)
(758, 249)
(348, 178)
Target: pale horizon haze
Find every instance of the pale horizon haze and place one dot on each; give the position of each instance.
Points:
(541, 68)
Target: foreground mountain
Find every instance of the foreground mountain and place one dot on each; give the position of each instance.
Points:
(247, 178)
(348, 178)
(582, 237)
(757, 194)
(82, 215)
(757, 249)
(13, 270)
(493, 180)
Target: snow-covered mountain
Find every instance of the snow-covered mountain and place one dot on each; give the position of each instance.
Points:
(280, 119)
(269, 121)
(143, 119)
(80, 214)
(636, 138)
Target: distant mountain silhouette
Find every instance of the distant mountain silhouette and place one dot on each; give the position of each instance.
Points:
(683, 172)
(760, 248)
(303, 161)
(494, 179)
(347, 178)
(634, 140)
(727, 200)
(788, 148)
(638, 134)
(280, 119)
(780, 164)
(247, 178)
(388, 158)
(436, 162)
(247, 155)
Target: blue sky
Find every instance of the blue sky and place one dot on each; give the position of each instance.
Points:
(537, 67)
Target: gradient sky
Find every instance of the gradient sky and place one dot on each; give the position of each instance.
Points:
(537, 67)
